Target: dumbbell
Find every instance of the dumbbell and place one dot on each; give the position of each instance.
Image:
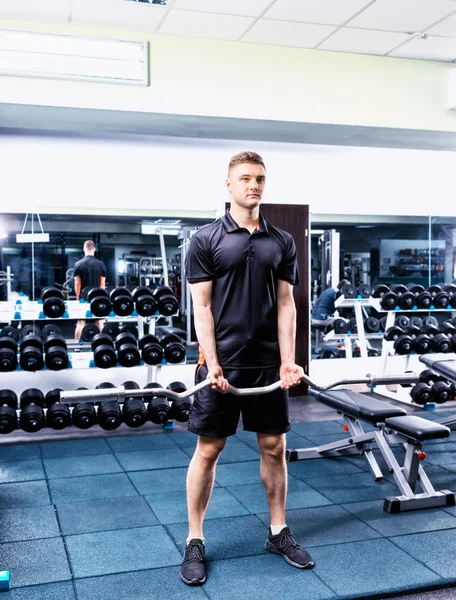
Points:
(134, 411)
(56, 354)
(402, 321)
(30, 330)
(348, 291)
(83, 414)
(421, 393)
(446, 327)
(108, 414)
(173, 348)
(131, 327)
(127, 350)
(371, 325)
(122, 302)
(388, 300)
(104, 354)
(406, 299)
(353, 325)
(364, 290)
(100, 304)
(8, 354)
(441, 390)
(151, 350)
(421, 341)
(439, 341)
(373, 352)
(415, 290)
(450, 289)
(431, 321)
(112, 329)
(32, 414)
(440, 299)
(145, 303)
(180, 408)
(57, 415)
(403, 343)
(89, 331)
(166, 301)
(339, 326)
(8, 407)
(50, 329)
(159, 408)
(10, 331)
(416, 322)
(31, 352)
(53, 302)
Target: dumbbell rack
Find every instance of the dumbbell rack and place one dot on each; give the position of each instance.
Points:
(360, 335)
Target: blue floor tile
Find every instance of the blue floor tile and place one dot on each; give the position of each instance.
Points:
(232, 453)
(321, 467)
(324, 525)
(184, 439)
(33, 523)
(75, 467)
(441, 454)
(92, 487)
(105, 515)
(19, 452)
(434, 549)
(226, 538)
(74, 448)
(159, 584)
(171, 507)
(29, 493)
(262, 578)
(24, 470)
(238, 474)
(317, 428)
(355, 488)
(121, 551)
(48, 591)
(403, 523)
(360, 569)
(36, 561)
(139, 443)
(300, 495)
(153, 459)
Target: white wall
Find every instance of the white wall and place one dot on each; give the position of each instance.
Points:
(146, 175)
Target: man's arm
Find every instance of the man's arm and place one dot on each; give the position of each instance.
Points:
(77, 286)
(204, 327)
(102, 282)
(290, 373)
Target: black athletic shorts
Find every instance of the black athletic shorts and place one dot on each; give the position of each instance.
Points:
(217, 415)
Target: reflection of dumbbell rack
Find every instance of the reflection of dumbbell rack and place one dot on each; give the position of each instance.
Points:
(357, 304)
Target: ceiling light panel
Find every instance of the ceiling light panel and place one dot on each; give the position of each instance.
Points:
(46, 10)
(403, 15)
(118, 13)
(205, 25)
(287, 33)
(251, 8)
(329, 12)
(363, 41)
(446, 27)
(432, 48)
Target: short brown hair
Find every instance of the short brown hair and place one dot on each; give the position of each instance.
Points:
(89, 246)
(245, 157)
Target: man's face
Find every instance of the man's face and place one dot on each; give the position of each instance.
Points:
(246, 183)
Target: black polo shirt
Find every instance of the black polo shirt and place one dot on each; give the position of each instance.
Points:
(90, 270)
(244, 269)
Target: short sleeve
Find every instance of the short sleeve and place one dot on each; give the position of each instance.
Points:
(103, 269)
(198, 263)
(288, 268)
(77, 269)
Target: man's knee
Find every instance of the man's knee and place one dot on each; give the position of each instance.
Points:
(209, 448)
(272, 445)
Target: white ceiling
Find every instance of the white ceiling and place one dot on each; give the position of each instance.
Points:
(381, 27)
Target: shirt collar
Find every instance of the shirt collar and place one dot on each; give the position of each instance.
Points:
(231, 226)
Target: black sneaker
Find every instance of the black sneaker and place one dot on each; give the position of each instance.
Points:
(284, 544)
(193, 571)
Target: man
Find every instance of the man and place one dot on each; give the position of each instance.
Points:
(88, 272)
(241, 270)
(325, 304)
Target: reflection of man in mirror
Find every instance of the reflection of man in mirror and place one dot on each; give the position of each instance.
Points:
(325, 304)
(88, 272)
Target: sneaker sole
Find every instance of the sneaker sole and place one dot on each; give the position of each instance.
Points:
(271, 548)
(194, 581)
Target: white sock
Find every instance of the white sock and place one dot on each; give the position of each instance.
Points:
(196, 537)
(275, 529)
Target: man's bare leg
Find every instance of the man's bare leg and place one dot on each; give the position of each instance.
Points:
(273, 470)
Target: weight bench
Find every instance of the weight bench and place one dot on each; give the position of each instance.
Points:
(393, 426)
